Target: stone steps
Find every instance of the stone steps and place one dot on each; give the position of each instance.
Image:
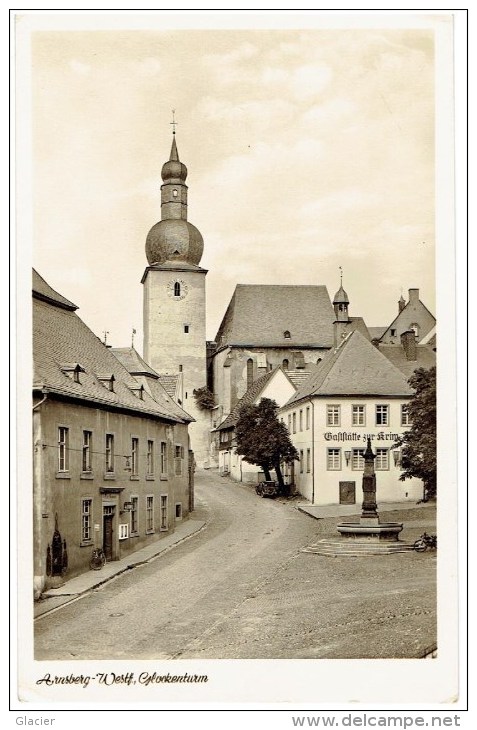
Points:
(352, 548)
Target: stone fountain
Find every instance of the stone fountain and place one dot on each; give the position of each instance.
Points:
(369, 527)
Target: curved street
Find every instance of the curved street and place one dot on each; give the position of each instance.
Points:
(241, 589)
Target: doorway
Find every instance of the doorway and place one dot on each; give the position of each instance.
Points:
(347, 492)
(108, 516)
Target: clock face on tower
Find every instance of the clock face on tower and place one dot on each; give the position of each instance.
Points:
(177, 289)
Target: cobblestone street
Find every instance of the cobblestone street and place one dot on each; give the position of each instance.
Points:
(241, 588)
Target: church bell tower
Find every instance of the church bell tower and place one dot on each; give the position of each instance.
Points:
(174, 299)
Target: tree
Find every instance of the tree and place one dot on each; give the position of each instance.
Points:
(204, 398)
(419, 457)
(263, 440)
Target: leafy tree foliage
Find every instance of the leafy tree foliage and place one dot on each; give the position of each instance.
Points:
(419, 457)
(263, 440)
(204, 398)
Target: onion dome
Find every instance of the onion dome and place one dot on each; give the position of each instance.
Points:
(174, 240)
(174, 170)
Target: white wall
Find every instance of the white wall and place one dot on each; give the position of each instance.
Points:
(322, 485)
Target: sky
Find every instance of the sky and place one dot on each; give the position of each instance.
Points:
(307, 150)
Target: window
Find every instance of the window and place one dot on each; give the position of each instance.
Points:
(393, 332)
(249, 372)
(134, 456)
(123, 531)
(150, 458)
(301, 420)
(301, 461)
(405, 420)
(357, 462)
(285, 364)
(382, 459)
(86, 511)
(179, 455)
(287, 334)
(177, 289)
(163, 459)
(333, 459)
(186, 329)
(332, 415)
(109, 452)
(308, 417)
(358, 415)
(308, 460)
(382, 415)
(63, 452)
(289, 423)
(178, 511)
(164, 511)
(87, 439)
(175, 193)
(318, 361)
(294, 422)
(134, 515)
(415, 328)
(149, 513)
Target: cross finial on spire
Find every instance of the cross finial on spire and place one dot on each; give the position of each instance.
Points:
(174, 123)
(105, 335)
(132, 337)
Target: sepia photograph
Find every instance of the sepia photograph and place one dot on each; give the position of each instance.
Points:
(235, 257)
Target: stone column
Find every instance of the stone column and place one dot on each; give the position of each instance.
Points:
(369, 514)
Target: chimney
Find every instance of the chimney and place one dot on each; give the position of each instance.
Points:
(413, 296)
(408, 342)
(401, 304)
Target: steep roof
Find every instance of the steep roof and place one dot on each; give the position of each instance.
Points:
(260, 314)
(43, 291)
(169, 382)
(136, 366)
(376, 332)
(356, 367)
(425, 358)
(133, 362)
(61, 340)
(250, 397)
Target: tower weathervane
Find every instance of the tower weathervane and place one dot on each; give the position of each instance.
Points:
(174, 123)
(341, 275)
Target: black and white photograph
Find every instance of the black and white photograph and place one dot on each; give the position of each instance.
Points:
(236, 314)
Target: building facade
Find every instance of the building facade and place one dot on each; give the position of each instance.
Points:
(111, 463)
(356, 393)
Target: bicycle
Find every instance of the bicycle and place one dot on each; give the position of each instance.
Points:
(424, 542)
(98, 559)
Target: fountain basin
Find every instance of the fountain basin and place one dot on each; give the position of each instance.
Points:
(377, 532)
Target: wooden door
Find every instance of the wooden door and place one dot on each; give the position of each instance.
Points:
(108, 536)
(347, 492)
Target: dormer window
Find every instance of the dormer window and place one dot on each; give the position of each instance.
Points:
(138, 391)
(73, 370)
(287, 335)
(107, 380)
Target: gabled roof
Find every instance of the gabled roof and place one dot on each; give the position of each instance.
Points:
(133, 362)
(43, 291)
(260, 314)
(425, 358)
(354, 368)
(169, 383)
(297, 377)
(59, 337)
(250, 397)
(376, 332)
(400, 313)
